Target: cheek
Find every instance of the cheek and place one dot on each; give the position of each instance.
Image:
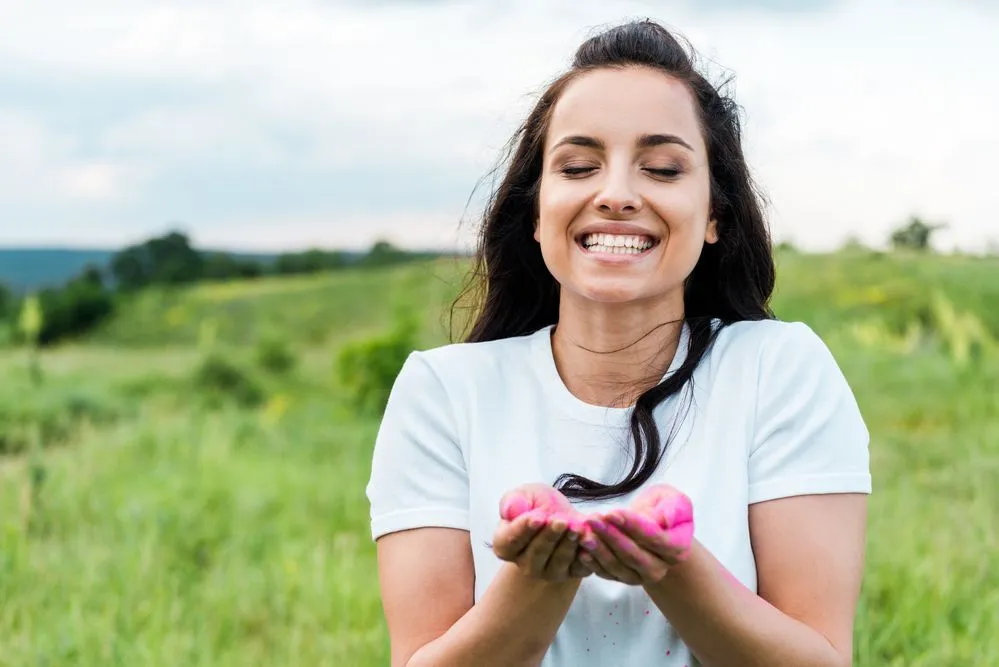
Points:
(686, 214)
(558, 205)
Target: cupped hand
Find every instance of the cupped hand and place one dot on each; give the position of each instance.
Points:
(639, 544)
(540, 532)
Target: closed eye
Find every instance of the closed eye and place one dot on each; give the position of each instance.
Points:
(664, 173)
(661, 173)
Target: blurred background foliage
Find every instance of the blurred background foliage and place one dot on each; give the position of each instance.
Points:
(185, 439)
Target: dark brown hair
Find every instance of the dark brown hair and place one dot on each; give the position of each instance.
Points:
(732, 280)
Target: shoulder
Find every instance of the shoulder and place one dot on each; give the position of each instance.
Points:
(778, 358)
(459, 365)
(762, 340)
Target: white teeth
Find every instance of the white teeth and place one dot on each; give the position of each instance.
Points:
(617, 243)
(615, 250)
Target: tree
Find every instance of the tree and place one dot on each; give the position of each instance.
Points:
(310, 261)
(92, 275)
(383, 253)
(75, 308)
(915, 235)
(6, 301)
(169, 259)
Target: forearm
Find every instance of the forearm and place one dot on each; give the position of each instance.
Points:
(513, 624)
(724, 623)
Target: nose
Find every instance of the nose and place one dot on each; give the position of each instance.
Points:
(617, 194)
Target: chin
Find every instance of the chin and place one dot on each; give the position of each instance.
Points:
(611, 292)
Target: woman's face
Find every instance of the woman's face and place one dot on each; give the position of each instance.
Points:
(624, 203)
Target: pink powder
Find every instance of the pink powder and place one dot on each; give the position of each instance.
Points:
(644, 524)
(514, 506)
(681, 535)
(674, 510)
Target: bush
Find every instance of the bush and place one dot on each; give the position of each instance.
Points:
(73, 310)
(367, 368)
(51, 416)
(275, 355)
(220, 379)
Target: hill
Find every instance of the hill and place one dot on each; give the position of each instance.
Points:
(35, 268)
(831, 292)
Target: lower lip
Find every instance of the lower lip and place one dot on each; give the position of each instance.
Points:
(617, 257)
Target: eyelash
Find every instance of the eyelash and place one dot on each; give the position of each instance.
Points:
(662, 173)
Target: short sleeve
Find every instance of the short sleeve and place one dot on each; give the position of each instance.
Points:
(810, 437)
(418, 474)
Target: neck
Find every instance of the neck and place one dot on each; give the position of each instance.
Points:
(609, 354)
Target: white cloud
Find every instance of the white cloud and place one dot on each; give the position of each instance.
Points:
(37, 165)
(92, 181)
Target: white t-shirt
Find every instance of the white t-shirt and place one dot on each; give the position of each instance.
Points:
(772, 416)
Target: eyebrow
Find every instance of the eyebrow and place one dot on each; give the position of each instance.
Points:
(644, 141)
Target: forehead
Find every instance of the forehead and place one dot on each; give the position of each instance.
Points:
(621, 104)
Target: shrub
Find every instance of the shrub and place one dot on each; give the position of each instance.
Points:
(52, 417)
(73, 310)
(275, 355)
(221, 379)
(367, 368)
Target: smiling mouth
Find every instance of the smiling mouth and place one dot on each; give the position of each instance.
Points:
(617, 244)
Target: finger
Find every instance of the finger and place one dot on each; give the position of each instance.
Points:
(671, 544)
(674, 510)
(540, 549)
(680, 537)
(641, 561)
(563, 556)
(589, 562)
(513, 504)
(578, 569)
(644, 532)
(600, 551)
(515, 536)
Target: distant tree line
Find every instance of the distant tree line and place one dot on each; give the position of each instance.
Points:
(87, 299)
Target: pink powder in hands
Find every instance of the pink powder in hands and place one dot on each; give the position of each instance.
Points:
(544, 509)
(513, 506)
(676, 515)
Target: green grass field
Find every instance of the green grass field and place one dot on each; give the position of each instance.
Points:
(143, 523)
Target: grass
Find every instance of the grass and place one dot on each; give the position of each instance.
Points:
(182, 531)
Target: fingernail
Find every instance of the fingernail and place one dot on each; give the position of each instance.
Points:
(616, 520)
(558, 525)
(589, 545)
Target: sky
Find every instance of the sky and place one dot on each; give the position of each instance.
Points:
(270, 126)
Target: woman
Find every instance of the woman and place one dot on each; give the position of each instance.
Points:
(624, 354)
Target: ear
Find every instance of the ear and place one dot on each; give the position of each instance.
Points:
(711, 233)
(537, 233)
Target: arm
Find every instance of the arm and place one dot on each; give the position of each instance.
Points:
(427, 579)
(809, 583)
